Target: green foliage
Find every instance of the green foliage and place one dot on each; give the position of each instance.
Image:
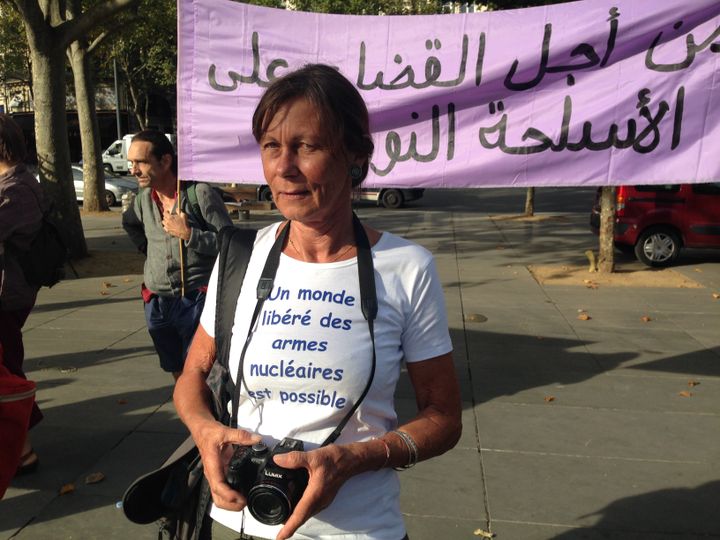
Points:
(515, 4)
(369, 7)
(358, 7)
(147, 42)
(15, 63)
(266, 3)
(144, 44)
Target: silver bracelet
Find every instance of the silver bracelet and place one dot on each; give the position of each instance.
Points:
(412, 449)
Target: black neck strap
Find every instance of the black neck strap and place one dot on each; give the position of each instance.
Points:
(368, 305)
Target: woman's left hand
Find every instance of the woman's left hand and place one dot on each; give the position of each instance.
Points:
(435, 429)
(329, 468)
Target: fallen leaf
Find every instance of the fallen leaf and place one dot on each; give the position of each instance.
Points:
(67, 488)
(483, 534)
(716, 295)
(476, 317)
(692, 383)
(127, 280)
(94, 478)
(591, 285)
(698, 270)
(685, 393)
(69, 369)
(549, 399)
(104, 293)
(645, 318)
(584, 317)
(122, 401)
(107, 284)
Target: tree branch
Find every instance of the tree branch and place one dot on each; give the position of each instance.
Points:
(74, 29)
(101, 38)
(31, 14)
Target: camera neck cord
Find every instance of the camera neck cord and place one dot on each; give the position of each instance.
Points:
(368, 305)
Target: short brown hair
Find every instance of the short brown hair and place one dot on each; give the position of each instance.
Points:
(159, 146)
(339, 104)
(12, 141)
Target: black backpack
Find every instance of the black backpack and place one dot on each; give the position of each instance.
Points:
(43, 264)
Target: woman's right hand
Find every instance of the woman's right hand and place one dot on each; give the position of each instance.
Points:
(215, 442)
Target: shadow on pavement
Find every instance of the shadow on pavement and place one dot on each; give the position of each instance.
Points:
(113, 434)
(507, 364)
(71, 362)
(702, 362)
(663, 513)
(78, 304)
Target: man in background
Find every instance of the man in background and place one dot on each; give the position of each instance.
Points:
(177, 232)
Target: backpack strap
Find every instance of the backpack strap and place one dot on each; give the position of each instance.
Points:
(235, 248)
(192, 199)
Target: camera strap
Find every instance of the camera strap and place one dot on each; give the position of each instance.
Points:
(368, 305)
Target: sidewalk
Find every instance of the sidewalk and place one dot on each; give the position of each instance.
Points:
(572, 428)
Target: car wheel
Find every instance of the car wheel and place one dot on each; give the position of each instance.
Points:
(265, 194)
(657, 246)
(110, 198)
(392, 198)
(108, 167)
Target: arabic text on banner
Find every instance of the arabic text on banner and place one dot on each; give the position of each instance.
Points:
(584, 93)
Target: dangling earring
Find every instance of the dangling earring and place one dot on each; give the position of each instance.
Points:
(355, 173)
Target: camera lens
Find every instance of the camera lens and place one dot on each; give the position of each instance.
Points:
(268, 505)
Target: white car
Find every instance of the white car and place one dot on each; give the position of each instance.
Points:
(115, 186)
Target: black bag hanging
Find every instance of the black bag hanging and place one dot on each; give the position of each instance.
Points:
(177, 493)
(44, 263)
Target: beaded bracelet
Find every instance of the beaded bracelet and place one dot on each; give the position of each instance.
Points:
(412, 449)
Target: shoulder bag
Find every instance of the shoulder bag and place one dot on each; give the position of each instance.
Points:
(177, 494)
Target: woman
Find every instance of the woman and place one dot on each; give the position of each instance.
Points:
(308, 360)
(21, 209)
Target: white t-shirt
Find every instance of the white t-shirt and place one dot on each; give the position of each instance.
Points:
(310, 358)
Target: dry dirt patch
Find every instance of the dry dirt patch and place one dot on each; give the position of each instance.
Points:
(579, 275)
(104, 214)
(528, 219)
(109, 263)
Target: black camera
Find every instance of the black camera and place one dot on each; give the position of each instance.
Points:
(271, 491)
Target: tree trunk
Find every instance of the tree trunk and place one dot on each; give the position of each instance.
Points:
(94, 177)
(606, 258)
(48, 38)
(134, 97)
(530, 202)
(53, 149)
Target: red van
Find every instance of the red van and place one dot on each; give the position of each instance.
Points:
(657, 221)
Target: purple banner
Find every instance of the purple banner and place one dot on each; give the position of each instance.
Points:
(584, 93)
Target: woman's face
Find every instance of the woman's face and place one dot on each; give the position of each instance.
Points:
(308, 178)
